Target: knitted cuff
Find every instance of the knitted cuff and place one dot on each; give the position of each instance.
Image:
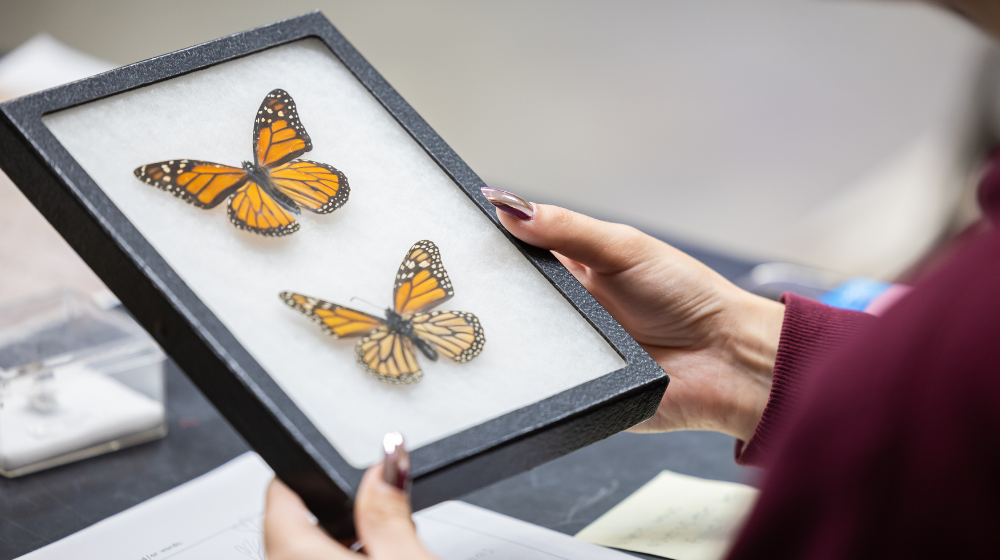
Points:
(809, 333)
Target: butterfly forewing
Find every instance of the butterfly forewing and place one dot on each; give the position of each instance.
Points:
(252, 209)
(317, 187)
(337, 320)
(278, 134)
(421, 281)
(388, 356)
(454, 334)
(202, 183)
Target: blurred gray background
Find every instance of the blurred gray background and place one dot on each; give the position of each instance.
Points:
(835, 133)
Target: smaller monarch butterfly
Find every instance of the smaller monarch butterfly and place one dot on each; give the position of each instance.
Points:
(264, 193)
(386, 350)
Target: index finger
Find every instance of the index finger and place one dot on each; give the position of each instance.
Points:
(602, 246)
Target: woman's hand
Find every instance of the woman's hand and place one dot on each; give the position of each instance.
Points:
(716, 341)
(381, 515)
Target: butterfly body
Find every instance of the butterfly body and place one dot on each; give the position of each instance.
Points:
(260, 176)
(262, 194)
(387, 349)
(402, 326)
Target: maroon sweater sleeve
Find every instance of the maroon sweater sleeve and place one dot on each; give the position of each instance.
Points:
(810, 332)
(893, 450)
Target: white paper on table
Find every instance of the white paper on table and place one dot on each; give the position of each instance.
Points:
(459, 531)
(676, 516)
(217, 516)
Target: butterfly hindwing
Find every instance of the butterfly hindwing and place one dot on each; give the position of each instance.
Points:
(337, 320)
(454, 334)
(278, 134)
(388, 356)
(421, 281)
(202, 183)
(315, 186)
(252, 209)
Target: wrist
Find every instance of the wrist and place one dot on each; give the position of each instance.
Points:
(750, 346)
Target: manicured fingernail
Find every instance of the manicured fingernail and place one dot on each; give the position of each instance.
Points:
(509, 203)
(396, 469)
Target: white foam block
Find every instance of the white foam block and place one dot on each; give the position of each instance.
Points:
(537, 343)
(91, 408)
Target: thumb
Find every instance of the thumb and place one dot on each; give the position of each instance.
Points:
(382, 517)
(289, 531)
(602, 246)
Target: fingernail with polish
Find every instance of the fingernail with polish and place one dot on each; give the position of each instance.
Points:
(396, 469)
(509, 203)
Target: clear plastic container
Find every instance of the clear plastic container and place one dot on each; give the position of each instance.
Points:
(75, 381)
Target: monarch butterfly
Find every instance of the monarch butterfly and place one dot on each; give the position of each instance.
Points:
(386, 350)
(262, 194)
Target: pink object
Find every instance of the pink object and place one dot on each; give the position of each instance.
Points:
(882, 303)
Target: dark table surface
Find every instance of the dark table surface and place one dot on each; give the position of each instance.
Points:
(564, 495)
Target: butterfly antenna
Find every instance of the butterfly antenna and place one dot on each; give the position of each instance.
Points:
(366, 301)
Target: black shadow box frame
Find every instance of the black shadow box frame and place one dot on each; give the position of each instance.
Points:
(226, 373)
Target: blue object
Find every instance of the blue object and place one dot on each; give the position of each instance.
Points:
(855, 293)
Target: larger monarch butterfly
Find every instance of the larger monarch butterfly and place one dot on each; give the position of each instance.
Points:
(264, 193)
(386, 350)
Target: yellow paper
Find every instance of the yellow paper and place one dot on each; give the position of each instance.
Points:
(676, 516)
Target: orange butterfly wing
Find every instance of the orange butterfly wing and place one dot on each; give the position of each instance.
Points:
(421, 281)
(337, 320)
(389, 357)
(278, 134)
(454, 334)
(312, 185)
(202, 183)
(252, 209)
